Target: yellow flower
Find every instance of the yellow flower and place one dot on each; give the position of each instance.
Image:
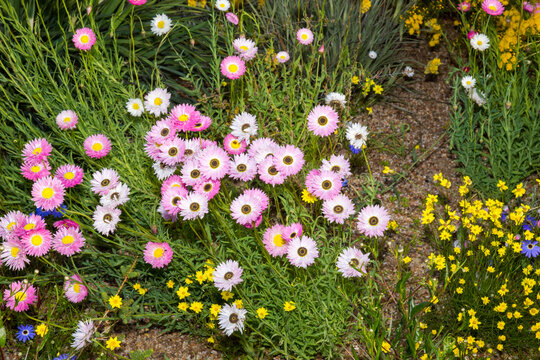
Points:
(142, 291)
(485, 300)
(239, 304)
(355, 80)
(210, 339)
(519, 190)
(533, 311)
(183, 306)
(385, 347)
(42, 329)
(215, 309)
(289, 306)
(115, 301)
(406, 260)
(387, 170)
(137, 286)
(188, 281)
(500, 347)
(170, 284)
(307, 197)
(378, 89)
(502, 185)
(262, 312)
(366, 5)
(500, 325)
(196, 306)
(491, 269)
(113, 343)
(474, 322)
(392, 225)
(183, 292)
(200, 277)
(459, 290)
(226, 295)
(210, 325)
(369, 110)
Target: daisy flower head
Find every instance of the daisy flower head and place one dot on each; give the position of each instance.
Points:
(158, 255)
(372, 55)
(338, 165)
(160, 25)
(97, 146)
(103, 181)
(183, 117)
(530, 248)
(282, 57)
(325, 184)
(269, 174)
(174, 181)
(83, 334)
(223, 5)
(323, 120)
(29, 223)
(191, 172)
(304, 36)
(25, 333)
(156, 102)
(302, 251)
(289, 160)
(408, 72)
(233, 67)
(68, 241)
(8, 223)
(468, 82)
(480, 42)
(470, 35)
(260, 196)
(245, 48)
(171, 152)
(350, 261)
(74, 289)
(478, 97)
(231, 319)
(171, 199)
(84, 39)
(137, 2)
(335, 99)
(203, 123)
(19, 296)
(493, 7)
(36, 150)
(69, 175)
(244, 126)
(214, 163)
(262, 148)
(135, 107)
(162, 131)
(274, 242)
(37, 242)
(117, 196)
(243, 168)
(13, 255)
(162, 170)
(193, 206)
(292, 231)
(67, 119)
(65, 223)
(48, 193)
(373, 220)
(35, 169)
(105, 219)
(464, 6)
(192, 148)
(357, 135)
(233, 146)
(338, 209)
(245, 209)
(232, 18)
(227, 275)
(208, 188)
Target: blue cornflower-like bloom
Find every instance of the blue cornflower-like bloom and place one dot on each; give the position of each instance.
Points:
(26, 332)
(344, 183)
(65, 357)
(529, 223)
(355, 150)
(530, 248)
(58, 213)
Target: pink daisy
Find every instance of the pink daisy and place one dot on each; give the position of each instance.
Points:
(158, 255)
(323, 120)
(35, 169)
(214, 163)
(245, 209)
(192, 148)
(162, 131)
(304, 36)
(193, 206)
(274, 242)
(323, 184)
(74, 289)
(471, 34)
(172, 182)
(227, 275)
(97, 146)
(137, 2)
(289, 160)
(282, 57)
(493, 7)
(166, 215)
(37, 242)
(302, 252)
(260, 196)
(292, 231)
(350, 260)
(36, 150)
(464, 6)
(65, 223)
(232, 67)
(171, 199)
(29, 223)
(48, 193)
(84, 39)
(103, 181)
(209, 188)
(151, 148)
(191, 172)
(68, 240)
(67, 119)
(232, 18)
(256, 223)
(183, 117)
(8, 223)
(338, 165)
(338, 209)
(233, 146)
(243, 168)
(69, 175)
(269, 174)
(171, 152)
(261, 148)
(373, 220)
(19, 296)
(245, 48)
(203, 123)
(13, 255)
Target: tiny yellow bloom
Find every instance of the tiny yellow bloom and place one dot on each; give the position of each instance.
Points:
(355, 80)
(307, 197)
(378, 89)
(188, 281)
(226, 295)
(239, 304)
(369, 110)
(42, 329)
(142, 291)
(519, 191)
(182, 292)
(113, 343)
(385, 347)
(196, 307)
(387, 170)
(215, 309)
(262, 312)
(210, 339)
(115, 301)
(502, 185)
(137, 286)
(500, 325)
(289, 306)
(183, 306)
(406, 260)
(170, 284)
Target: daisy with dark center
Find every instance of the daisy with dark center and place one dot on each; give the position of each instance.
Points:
(227, 275)
(171, 199)
(274, 241)
(269, 174)
(335, 99)
(292, 231)
(103, 181)
(25, 333)
(352, 262)
(162, 170)
(231, 319)
(244, 126)
(37, 242)
(243, 168)
(68, 240)
(37, 149)
(158, 255)
(245, 209)
(323, 120)
(191, 148)
(118, 195)
(97, 146)
(289, 160)
(214, 163)
(19, 296)
(171, 152)
(530, 248)
(106, 219)
(13, 255)
(323, 184)
(357, 135)
(203, 123)
(302, 252)
(74, 289)
(162, 131)
(193, 206)
(191, 172)
(35, 169)
(48, 193)
(69, 175)
(338, 165)
(373, 220)
(208, 188)
(157, 101)
(261, 197)
(233, 145)
(338, 209)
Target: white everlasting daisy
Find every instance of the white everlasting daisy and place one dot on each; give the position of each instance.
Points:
(103, 181)
(480, 42)
(135, 107)
(193, 206)
(468, 82)
(372, 55)
(163, 171)
(105, 219)
(161, 24)
(83, 334)
(357, 135)
(335, 98)
(478, 97)
(223, 5)
(243, 126)
(350, 261)
(231, 319)
(116, 196)
(157, 101)
(408, 72)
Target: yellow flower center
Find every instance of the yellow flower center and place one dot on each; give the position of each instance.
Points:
(479, 42)
(47, 193)
(67, 119)
(304, 36)
(222, 5)
(135, 106)
(233, 68)
(243, 48)
(492, 7)
(77, 288)
(158, 101)
(36, 151)
(35, 169)
(29, 227)
(161, 24)
(183, 118)
(69, 175)
(36, 240)
(85, 39)
(158, 253)
(68, 239)
(97, 146)
(278, 240)
(20, 296)
(10, 225)
(14, 251)
(235, 144)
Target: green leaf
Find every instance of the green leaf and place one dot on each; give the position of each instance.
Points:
(3, 336)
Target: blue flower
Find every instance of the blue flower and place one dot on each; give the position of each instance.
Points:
(530, 248)
(58, 213)
(344, 183)
(26, 332)
(65, 357)
(355, 150)
(530, 222)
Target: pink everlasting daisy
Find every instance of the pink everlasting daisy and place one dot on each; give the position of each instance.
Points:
(29, 223)
(37, 242)
(84, 39)
(171, 152)
(245, 48)
(137, 2)
(162, 131)
(227, 275)
(13, 255)
(192, 148)
(338, 165)
(338, 209)
(209, 188)
(289, 160)
(97, 146)
(158, 255)
(214, 163)
(183, 117)
(69, 175)
(67, 119)
(48, 193)
(171, 199)
(35, 169)
(373, 220)
(245, 209)
(350, 261)
(262, 148)
(191, 172)
(260, 195)
(464, 6)
(68, 240)
(233, 146)
(74, 289)
(304, 36)
(103, 181)
(203, 123)
(232, 67)
(193, 206)
(323, 184)
(243, 168)
(493, 7)
(19, 296)
(323, 120)
(232, 18)
(8, 223)
(37, 149)
(65, 223)
(292, 231)
(302, 252)
(172, 182)
(282, 57)
(269, 174)
(274, 242)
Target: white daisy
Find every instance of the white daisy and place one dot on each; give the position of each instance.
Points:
(103, 181)
(163, 171)
(478, 97)
(335, 97)
(243, 126)
(156, 101)
(357, 135)
(408, 72)
(468, 82)
(282, 57)
(83, 334)
(231, 319)
(116, 196)
(302, 252)
(223, 5)
(372, 54)
(135, 107)
(105, 219)
(194, 205)
(480, 42)
(161, 24)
